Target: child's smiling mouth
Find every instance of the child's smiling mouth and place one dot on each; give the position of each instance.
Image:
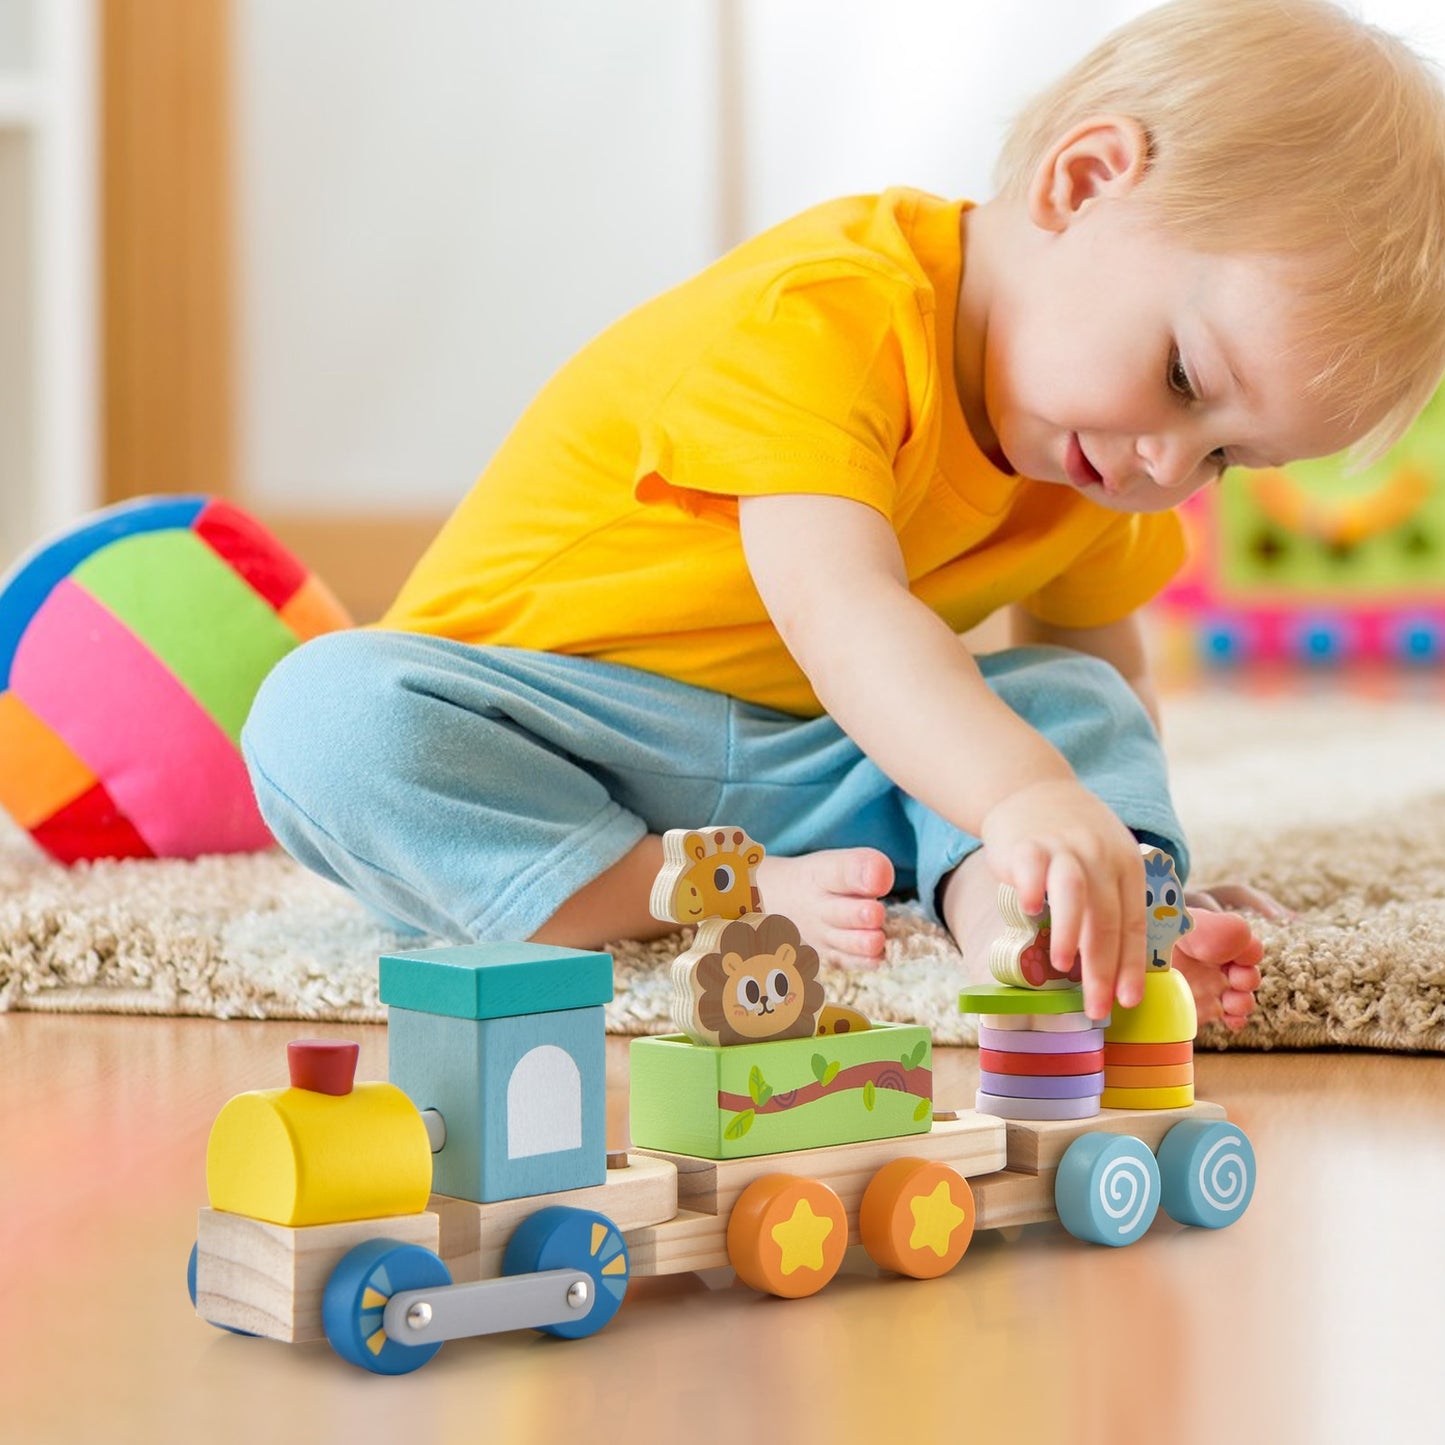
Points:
(1081, 472)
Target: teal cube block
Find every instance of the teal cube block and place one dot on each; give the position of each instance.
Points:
(523, 1098)
(495, 980)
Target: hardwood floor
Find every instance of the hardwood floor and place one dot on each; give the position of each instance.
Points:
(1319, 1317)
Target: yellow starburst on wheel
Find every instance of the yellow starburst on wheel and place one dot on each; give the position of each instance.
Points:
(935, 1217)
(801, 1238)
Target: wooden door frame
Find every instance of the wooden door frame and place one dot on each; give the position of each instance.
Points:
(166, 249)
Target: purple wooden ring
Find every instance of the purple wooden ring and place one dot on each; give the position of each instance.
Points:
(1041, 1086)
(1004, 1108)
(1026, 1041)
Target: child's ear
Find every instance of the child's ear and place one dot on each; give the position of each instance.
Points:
(1105, 155)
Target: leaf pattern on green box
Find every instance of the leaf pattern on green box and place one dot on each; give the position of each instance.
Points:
(740, 1125)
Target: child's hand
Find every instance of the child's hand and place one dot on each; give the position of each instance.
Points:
(1057, 838)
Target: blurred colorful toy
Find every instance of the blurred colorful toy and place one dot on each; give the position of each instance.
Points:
(1310, 563)
(130, 650)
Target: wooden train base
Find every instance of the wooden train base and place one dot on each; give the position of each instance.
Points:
(783, 1222)
(473, 1192)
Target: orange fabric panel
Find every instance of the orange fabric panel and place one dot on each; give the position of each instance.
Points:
(313, 609)
(40, 774)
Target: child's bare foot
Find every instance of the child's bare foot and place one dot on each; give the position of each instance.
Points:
(835, 898)
(1220, 957)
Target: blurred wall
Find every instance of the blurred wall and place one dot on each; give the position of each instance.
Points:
(436, 203)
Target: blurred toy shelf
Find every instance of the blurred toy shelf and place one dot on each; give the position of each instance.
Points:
(48, 268)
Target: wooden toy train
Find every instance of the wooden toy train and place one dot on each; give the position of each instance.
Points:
(474, 1192)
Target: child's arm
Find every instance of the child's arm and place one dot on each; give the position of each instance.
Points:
(1122, 644)
(899, 681)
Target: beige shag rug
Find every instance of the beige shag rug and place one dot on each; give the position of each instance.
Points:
(1333, 802)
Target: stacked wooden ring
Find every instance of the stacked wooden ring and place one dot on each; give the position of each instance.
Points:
(1149, 1050)
(1149, 1076)
(1040, 1066)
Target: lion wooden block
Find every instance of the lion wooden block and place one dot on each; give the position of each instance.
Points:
(745, 980)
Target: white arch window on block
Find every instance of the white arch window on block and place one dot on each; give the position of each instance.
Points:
(544, 1103)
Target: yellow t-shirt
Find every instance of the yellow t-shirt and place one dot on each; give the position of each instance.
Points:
(817, 357)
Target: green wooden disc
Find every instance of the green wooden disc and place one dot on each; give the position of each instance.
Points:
(1007, 998)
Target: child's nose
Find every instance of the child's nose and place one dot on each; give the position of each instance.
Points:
(1172, 460)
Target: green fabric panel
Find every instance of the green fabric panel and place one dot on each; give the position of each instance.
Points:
(204, 622)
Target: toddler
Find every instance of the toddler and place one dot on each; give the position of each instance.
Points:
(719, 570)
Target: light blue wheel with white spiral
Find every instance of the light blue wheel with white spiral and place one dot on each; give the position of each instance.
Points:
(1207, 1169)
(353, 1306)
(1107, 1189)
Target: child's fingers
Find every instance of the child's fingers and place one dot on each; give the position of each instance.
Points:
(1134, 941)
(1068, 894)
(1027, 870)
(1101, 947)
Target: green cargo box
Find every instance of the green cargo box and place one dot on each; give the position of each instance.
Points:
(765, 1098)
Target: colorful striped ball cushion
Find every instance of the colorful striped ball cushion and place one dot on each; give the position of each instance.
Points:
(130, 650)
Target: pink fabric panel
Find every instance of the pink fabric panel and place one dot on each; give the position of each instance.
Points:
(166, 764)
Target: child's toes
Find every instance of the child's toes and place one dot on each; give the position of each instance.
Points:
(852, 947)
(1244, 977)
(1219, 938)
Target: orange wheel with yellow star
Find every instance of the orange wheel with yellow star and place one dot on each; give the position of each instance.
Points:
(916, 1217)
(787, 1235)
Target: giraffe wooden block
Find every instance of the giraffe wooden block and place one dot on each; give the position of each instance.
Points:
(706, 873)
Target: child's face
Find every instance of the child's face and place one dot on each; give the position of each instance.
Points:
(1133, 369)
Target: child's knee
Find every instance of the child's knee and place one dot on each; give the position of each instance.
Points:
(309, 715)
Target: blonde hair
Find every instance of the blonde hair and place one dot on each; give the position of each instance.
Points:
(1291, 128)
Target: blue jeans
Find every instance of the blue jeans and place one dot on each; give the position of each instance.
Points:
(469, 791)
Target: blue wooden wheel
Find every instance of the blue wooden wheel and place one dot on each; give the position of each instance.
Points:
(191, 1290)
(356, 1296)
(1207, 1168)
(560, 1237)
(1107, 1188)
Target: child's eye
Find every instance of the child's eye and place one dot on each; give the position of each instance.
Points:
(1179, 382)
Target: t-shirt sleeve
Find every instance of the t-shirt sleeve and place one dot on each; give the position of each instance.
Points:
(1115, 575)
(805, 391)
